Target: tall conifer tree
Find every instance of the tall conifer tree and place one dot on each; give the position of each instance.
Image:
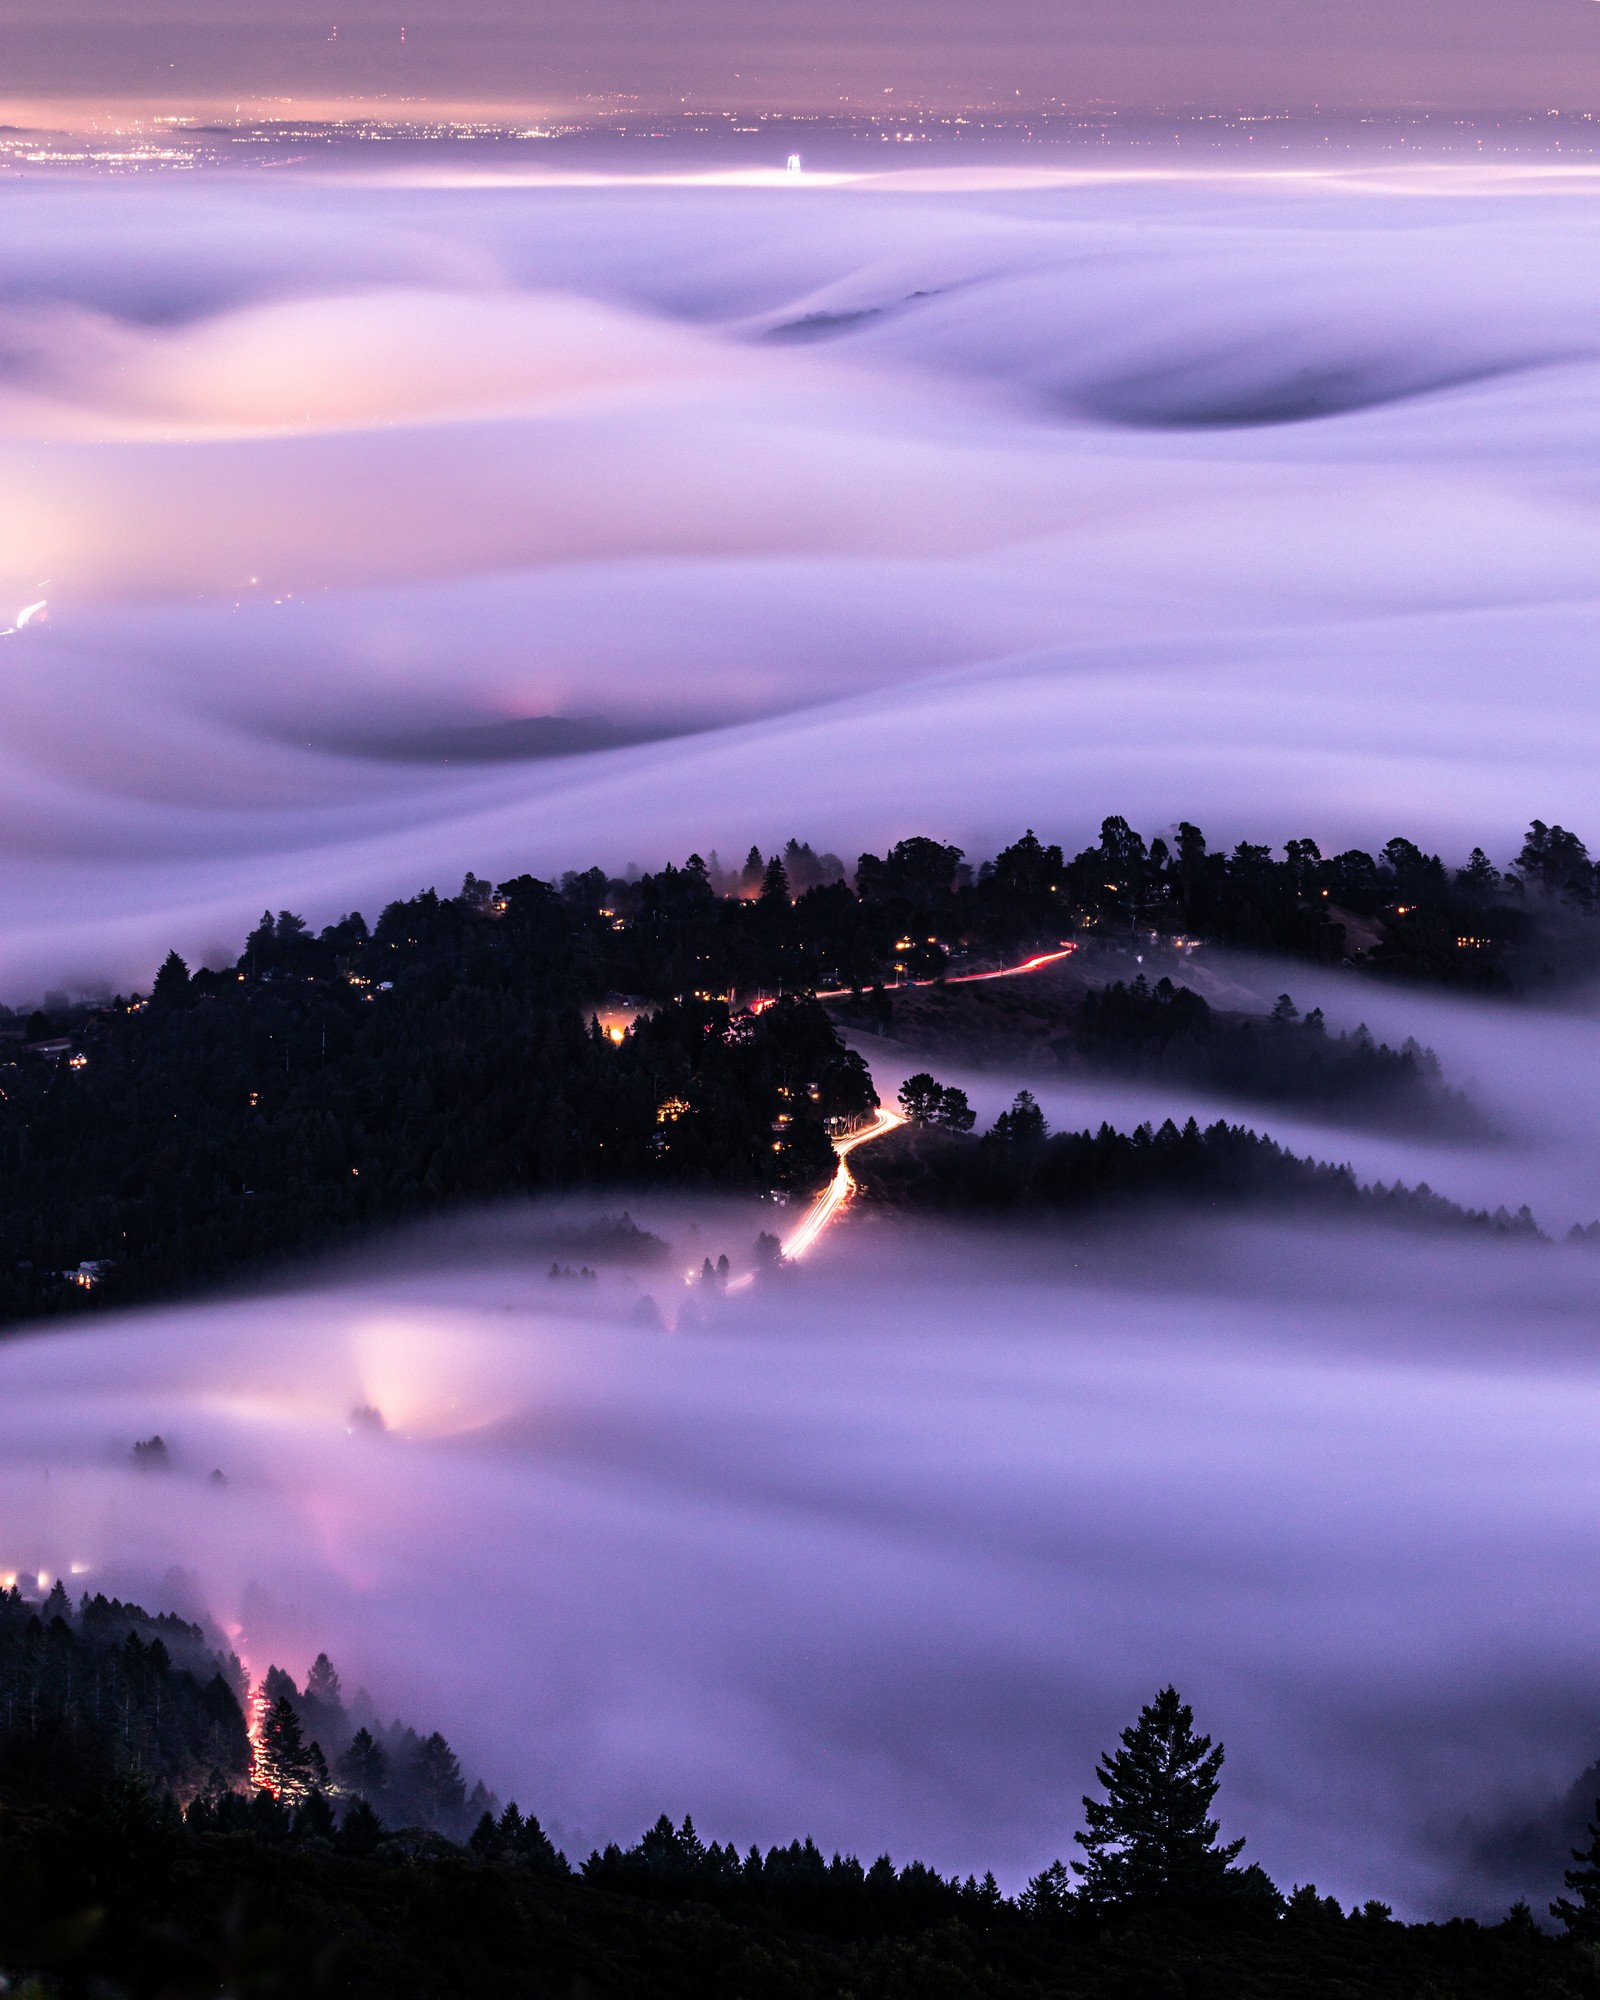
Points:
(1152, 1838)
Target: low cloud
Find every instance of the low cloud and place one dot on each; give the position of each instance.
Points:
(888, 1553)
(1238, 499)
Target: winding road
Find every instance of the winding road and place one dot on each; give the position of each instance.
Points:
(833, 1197)
(830, 1204)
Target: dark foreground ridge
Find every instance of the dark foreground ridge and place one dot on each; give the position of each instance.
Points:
(321, 1086)
(133, 1882)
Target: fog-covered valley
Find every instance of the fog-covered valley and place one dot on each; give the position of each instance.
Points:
(364, 530)
(887, 1549)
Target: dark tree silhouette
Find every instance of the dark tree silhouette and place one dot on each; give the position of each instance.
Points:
(1152, 1839)
(955, 1114)
(920, 1098)
(775, 884)
(926, 1101)
(361, 1829)
(1582, 1917)
(364, 1767)
(436, 1776)
(322, 1683)
(313, 1818)
(172, 988)
(1024, 1124)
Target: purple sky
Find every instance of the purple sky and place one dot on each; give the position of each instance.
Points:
(1535, 54)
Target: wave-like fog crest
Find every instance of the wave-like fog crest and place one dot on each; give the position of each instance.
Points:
(1245, 499)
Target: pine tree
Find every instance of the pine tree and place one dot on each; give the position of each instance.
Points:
(364, 1767)
(322, 1683)
(289, 1763)
(313, 1818)
(775, 884)
(1023, 1125)
(538, 1849)
(260, 946)
(1152, 1839)
(1582, 1918)
(1049, 1894)
(436, 1775)
(172, 987)
(279, 1686)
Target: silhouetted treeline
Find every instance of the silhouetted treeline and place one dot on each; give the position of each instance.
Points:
(1170, 1033)
(325, 1083)
(126, 1899)
(912, 911)
(1400, 911)
(105, 1690)
(1020, 1166)
(316, 1743)
(836, 1897)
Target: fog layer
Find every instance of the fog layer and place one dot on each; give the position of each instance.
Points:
(839, 510)
(887, 1553)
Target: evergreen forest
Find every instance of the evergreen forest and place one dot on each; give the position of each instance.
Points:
(136, 1883)
(1020, 1167)
(326, 1083)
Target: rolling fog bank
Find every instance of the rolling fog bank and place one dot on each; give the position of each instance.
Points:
(830, 510)
(363, 530)
(887, 1551)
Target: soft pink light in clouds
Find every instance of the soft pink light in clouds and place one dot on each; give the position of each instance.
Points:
(951, 509)
(888, 1557)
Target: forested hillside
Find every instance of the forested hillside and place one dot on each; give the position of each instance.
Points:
(453, 1052)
